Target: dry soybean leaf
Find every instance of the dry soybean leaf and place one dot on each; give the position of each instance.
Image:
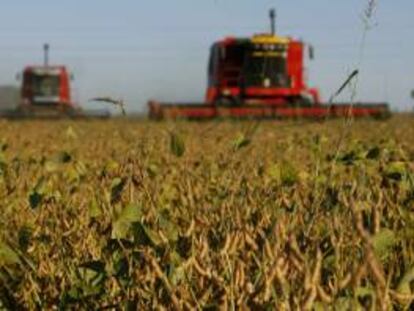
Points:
(177, 145)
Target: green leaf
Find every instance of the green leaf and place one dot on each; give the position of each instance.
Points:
(144, 235)
(177, 275)
(35, 199)
(274, 172)
(152, 169)
(89, 280)
(405, 286)
(63, 157)
(319, 306)
(344, 304)
(25, 237)
(121, 229)
(123, 224)
(349, 158)
(111, 167)
(177, 145)
(92, 272)
(396, 171)
(289, 174)
(94, 209)
(365, 297)
(117, 187)
(383, 242)
(51, 166)
(374, 153)
(38, 192)
(176, 272)
(7, 255)
(240, 142)
(131, 213)
(169, 228)
(3, 146)
(3, 167)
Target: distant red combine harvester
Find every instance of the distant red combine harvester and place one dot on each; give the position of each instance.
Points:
(46, 86)
(261, 77)
(46, 93)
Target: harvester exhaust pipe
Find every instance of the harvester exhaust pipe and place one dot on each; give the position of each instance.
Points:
(272, 15)
(46, 49)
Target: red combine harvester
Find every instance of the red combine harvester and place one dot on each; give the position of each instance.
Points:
(46, 93)
(261, 77)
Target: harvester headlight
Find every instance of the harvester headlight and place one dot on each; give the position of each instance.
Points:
(226, 92)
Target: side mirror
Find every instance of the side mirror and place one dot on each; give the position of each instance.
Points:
(311, 51)
(18, 76)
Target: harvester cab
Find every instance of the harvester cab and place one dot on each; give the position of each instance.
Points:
(264, 69)
(45, 86)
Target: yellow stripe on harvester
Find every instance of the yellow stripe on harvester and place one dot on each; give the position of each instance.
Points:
(269, 54)
(269, 39)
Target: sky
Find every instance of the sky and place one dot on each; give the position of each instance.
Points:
(158, 49)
